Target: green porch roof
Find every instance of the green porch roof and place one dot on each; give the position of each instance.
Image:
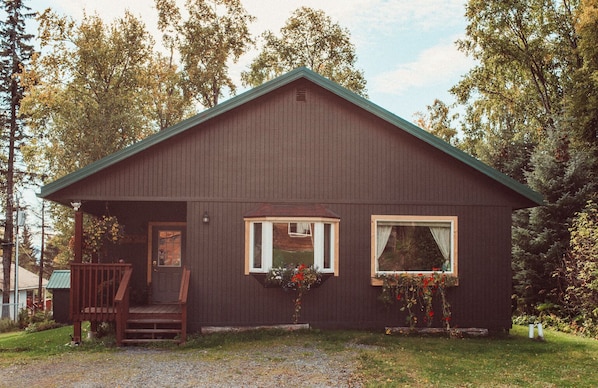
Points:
(268, 87)
(59, 280)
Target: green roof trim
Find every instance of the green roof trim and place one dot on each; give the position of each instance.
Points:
(59, 280)
(268, 87)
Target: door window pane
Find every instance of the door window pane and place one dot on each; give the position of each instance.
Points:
(169, 248)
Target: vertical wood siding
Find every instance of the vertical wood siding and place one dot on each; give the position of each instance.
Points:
(322, 150)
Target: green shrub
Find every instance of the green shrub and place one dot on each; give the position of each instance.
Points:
(41, 326)
(7, 324)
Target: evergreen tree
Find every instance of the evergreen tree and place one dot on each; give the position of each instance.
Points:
(15, 54)
(581, 269)
(566, 177)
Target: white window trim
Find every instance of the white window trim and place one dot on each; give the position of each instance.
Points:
(414, 220)
(267, 234)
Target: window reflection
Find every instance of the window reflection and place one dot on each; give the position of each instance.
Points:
(169, 248)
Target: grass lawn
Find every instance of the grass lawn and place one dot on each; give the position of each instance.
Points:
(23, 347)
(384, 360)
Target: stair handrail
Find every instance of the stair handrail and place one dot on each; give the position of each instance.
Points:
(186, 276)
(121, 303)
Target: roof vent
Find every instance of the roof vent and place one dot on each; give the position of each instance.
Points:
(301, 94)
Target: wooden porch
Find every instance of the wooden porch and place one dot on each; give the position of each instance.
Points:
(101, 293)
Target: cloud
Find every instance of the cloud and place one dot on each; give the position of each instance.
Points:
(433, 66)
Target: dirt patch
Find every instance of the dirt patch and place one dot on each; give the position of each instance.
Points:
(272, 366)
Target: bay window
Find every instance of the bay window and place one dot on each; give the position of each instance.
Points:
(272, 242)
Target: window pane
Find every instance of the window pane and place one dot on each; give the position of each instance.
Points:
(257, 245)
(292, 246)
(169, 248)
(411, 248)
(327, 246)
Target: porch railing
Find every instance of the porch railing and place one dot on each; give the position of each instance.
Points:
(183, 302)
(97, 289)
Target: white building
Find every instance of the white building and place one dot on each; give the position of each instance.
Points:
(28, 286)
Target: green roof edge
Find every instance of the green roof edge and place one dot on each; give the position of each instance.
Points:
(301, 72)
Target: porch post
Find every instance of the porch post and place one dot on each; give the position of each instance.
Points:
(78, 232)
(77, 259)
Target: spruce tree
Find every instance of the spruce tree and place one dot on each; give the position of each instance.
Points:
(15, 53)
(565, 175)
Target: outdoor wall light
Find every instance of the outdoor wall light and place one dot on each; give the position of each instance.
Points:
(206, 217)
(76, 205)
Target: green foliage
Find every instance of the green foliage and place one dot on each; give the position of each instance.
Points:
(311, 39)
(581, 267)
(215, 34)
(526, 52)
(582, 103)
(413, 293)
(98, 232)
(439, 121)
(565, 176)
(8, 325)
(87, 92)
(39, 321)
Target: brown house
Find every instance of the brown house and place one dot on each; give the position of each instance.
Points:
(301, 169)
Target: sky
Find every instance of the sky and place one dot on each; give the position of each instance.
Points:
(406, 48)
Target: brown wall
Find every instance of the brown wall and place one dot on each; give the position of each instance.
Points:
(326, 151)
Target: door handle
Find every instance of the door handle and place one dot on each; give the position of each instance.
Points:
(155, 265)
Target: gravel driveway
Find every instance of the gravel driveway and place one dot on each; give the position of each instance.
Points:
(272, 366)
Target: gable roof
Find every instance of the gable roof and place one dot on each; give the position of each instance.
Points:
(27, 279)
(299, 73)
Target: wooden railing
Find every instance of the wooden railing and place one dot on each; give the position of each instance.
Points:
(121, 303)
(183, 302)
(94, 290)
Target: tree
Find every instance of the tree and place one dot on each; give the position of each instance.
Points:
(582, 104)
(215, 33)
(167, 101)
(581, 267)
(531, 113)
(87, 94)
(309, 38)
(15, 53)
(27, 258)
(541, 235)
(439, 121)
(526, 52)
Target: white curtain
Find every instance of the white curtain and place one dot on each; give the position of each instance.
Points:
(304, 228)
(442, 236)
(382, 235)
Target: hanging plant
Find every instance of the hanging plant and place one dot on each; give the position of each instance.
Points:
(416, 294)
(299, 279)
(101, 231)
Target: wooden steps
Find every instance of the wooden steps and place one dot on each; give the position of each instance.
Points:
(157, 322)
(153, 323)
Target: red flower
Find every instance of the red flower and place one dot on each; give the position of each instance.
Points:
(298, 277)
(431, 313)
(399, 296)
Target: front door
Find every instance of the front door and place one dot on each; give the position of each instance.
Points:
(166, 259)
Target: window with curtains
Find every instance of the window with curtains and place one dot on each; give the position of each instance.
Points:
(417, 244)
(278, 242)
